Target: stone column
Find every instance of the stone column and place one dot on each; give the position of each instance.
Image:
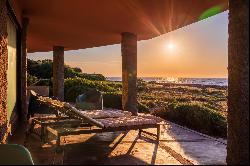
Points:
(58, 72)
(238, 90)
(24, 105)
(3, 70)
(129, 72)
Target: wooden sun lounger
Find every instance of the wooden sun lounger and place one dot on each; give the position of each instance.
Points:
(91, 125)
(45, 120)
(60, 131)
(140, 122)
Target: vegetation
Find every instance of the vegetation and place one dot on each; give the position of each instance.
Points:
(103, 86)
(112, 100)
(42, 69)
(202, 108)
(195, 116)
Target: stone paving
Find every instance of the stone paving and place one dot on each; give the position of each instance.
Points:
(179, 146)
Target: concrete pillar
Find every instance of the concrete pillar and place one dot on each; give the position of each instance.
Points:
(238, 90)
(129, 72)
(58, 72)
(24, 105)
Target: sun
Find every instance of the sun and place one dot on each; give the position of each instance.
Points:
(171, 46)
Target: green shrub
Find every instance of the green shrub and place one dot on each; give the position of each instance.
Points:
(112, 100)
(40, 69)
(196, 116)
(142, 108)
(102, 86)
(94, 77)
(141, 85)
(43, 69)
(71, 94)
(116, 85)
(151, 104)
(31, 80)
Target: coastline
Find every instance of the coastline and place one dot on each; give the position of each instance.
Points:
(195, 85)
(197, 82)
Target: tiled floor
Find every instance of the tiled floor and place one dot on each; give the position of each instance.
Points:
(178, 146)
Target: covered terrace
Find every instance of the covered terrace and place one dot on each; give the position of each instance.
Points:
(62, 25)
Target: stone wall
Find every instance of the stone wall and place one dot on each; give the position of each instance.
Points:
(3, 70)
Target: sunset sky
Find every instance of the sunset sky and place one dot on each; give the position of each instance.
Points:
(197, 50)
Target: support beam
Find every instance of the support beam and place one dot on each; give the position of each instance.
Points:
(24, 105)
(58, 72)
(129, 72)
(238, 89)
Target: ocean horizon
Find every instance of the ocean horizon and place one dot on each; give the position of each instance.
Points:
(200, 81)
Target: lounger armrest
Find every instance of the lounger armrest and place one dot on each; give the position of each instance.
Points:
(84, 117)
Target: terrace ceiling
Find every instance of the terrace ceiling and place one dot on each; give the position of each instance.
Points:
(79, 24)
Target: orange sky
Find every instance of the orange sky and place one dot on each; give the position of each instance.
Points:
(200, 50)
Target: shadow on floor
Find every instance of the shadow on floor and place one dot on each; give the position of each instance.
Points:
(86, 149)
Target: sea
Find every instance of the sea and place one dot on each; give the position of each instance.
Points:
(200, 81)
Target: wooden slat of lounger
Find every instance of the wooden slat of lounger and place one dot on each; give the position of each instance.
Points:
(129, 121)
(57, 121)
(63, 131)
(49, 118)
(106, 113)
(82, 116)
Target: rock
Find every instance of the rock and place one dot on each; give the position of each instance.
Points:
(91, 100)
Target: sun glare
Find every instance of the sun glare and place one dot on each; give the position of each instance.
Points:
(171, 46)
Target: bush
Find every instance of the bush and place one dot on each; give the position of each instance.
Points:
(31, 80)
(94, 77)
(141, 84)
(102, 86)
(73, 92)
(142, 108)
(112, 100)
(197, 117)
(43, 69)
(40, 69)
